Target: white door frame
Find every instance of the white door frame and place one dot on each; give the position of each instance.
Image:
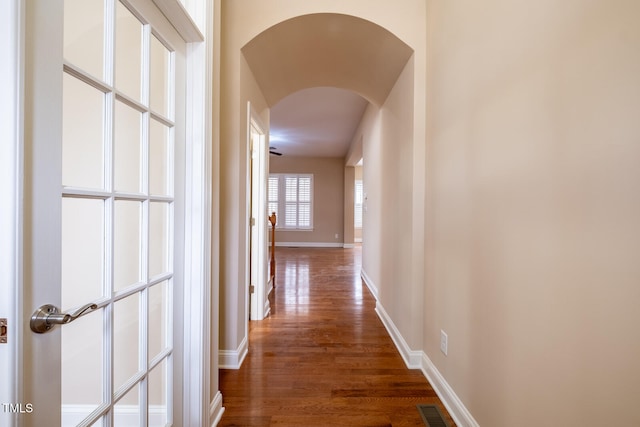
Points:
(11, 191)
(198, 408)
(257, 244)
(197, 347)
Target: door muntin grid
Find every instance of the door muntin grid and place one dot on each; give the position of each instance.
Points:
(118, 216)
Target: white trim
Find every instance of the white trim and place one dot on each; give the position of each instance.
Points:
(197, 309)
(197, 347)
(124, 415)
(358, 239)
(411, 358)
(419, 360)
(257, 232)
(216, 410)
(232, 359)
(11, 193)
(367, 281)
(309, 244)
(451, 401)
(267, 305)
(210, 18)
(349, 245)
(181, 20)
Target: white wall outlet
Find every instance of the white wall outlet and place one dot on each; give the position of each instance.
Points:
(337, 235)
(444, 342)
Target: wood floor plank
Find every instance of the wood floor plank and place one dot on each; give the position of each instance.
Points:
(323, 357)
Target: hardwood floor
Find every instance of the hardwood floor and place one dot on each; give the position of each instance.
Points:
(323, 357)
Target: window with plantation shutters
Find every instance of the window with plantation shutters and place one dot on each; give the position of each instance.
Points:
(291, 197)
(359, 202)
(272, 197)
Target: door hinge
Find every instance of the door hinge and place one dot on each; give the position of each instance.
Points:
(252, 289)
(3, 331)
(253, 221)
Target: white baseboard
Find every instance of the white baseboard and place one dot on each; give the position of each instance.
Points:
(349, 245)
(451, 401)
(419, 360)
(411, 358)
(232, 359)
(310, 244)
(367, 281)
(128, 415)
(216, 410)
(267, 307)
(358, 240)
(124, 415)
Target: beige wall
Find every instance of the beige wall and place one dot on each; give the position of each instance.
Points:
(328, 198)
(241, 21)
(237, 89)
(533, 206)
(506, 216)
(388, 174)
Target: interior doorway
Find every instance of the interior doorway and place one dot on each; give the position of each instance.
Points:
(258, 239)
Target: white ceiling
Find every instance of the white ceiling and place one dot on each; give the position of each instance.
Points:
(316, 122)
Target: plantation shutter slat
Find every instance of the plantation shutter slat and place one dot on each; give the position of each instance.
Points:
(359, 201)
(292, 196)
(272, 196)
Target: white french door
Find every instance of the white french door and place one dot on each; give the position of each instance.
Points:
(104, 187)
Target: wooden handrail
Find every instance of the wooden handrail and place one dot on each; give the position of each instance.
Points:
(272, 273)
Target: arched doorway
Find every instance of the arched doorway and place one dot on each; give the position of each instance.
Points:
(332, 50)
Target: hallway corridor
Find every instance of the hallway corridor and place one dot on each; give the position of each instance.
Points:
(323, 357)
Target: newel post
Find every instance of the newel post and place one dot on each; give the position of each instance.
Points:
(272, 273)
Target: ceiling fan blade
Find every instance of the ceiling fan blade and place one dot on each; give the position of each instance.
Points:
(275, 153)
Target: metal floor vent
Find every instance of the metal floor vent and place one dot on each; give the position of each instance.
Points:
(432, 416)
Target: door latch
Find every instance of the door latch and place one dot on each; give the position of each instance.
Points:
(3, 331)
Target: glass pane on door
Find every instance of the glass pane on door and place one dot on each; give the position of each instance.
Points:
(128, 148)
(158, 388)
(160, 149)
(127, 409)
(82, 367)
(128, 53)
(126, 244)
(82, 134)
(158, 319)
(82, 251)
(126, 340)
(159, 91)
(158, 238)
(84, 35)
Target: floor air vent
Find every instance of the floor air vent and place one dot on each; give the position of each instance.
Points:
(432, 416)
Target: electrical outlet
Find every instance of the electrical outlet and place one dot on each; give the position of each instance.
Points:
(444, 342)
(337, 235)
